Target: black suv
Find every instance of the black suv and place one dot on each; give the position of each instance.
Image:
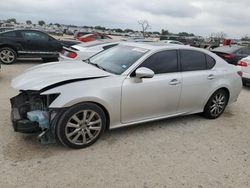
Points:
(28, 44)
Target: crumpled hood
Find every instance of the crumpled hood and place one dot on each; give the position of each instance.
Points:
(41, 76)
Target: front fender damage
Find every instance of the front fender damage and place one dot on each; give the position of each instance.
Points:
(30, 113)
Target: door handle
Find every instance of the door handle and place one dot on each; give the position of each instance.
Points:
(174, 82)
(211, 77)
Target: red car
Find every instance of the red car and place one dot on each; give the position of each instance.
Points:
(93, 36)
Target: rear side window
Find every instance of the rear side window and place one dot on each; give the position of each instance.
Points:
(193, 60)
(162, 62)
(210, 62)
(9, 34)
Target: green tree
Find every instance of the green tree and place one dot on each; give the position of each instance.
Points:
(245, 38)
(11, 20)
(164, 32)
(41, 22)
(156, 32)
(100, 27)
(57, 24)
(28, 22)
(128, 30)
(118, 30)
(185, 34)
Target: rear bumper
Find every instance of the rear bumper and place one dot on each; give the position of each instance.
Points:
(245, 76)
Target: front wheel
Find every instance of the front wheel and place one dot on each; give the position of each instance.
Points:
(7, 55)
(81, 125)
(216, 104)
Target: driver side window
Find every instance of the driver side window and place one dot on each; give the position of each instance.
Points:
(34, 35)
(162, 62)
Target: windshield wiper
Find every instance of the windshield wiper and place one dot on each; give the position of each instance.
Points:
(98, 66)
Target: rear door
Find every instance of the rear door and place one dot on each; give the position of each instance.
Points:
(153, 97)
(198, 77)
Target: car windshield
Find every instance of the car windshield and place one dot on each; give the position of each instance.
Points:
(117, 59)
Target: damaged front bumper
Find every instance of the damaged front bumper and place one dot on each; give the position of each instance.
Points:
(31, 101)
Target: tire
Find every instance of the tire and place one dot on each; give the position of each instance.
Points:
(75, 132)
(216, 104)
(8, 55)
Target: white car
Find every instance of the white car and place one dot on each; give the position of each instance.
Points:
(245, 67)
(84, 51)
(128, 84)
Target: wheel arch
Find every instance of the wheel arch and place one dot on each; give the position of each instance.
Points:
(9, 46)
(219, 88)
(104, 110)
(102, 106)
(226, 90)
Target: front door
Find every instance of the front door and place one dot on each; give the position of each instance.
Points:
(149, 98)
(35, 41)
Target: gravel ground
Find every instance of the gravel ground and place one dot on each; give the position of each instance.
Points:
(180, 152)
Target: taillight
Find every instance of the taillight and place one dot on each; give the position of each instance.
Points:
(228, 56)
(72, 54)
(242, 63)
(240, 73)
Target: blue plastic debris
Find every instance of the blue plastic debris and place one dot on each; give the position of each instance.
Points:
(39, 116)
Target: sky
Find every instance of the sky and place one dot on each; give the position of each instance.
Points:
(201, 17)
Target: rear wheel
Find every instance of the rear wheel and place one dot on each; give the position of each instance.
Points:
(7, 55)
(81, 125)
(216, 104)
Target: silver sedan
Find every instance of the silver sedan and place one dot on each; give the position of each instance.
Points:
(128, 84)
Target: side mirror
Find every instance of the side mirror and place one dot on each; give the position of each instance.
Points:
(144, 72)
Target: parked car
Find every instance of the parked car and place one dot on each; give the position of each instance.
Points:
(3, 29)
(171, 42)
(245, 67)
(232, 54)
(28, 44)
(128, 84)
(84, 51)
(93, 36)
(78, 34)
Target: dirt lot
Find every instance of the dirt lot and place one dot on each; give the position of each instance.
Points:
(181, 152)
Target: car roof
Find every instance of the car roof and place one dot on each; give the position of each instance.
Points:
(14, 30)
(228, 49)
(158, 45)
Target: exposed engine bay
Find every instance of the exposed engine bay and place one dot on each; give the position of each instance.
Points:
(31, 114)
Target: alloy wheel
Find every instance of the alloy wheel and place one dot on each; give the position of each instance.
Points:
(218, 104)
(83, 127)
(7, 56)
